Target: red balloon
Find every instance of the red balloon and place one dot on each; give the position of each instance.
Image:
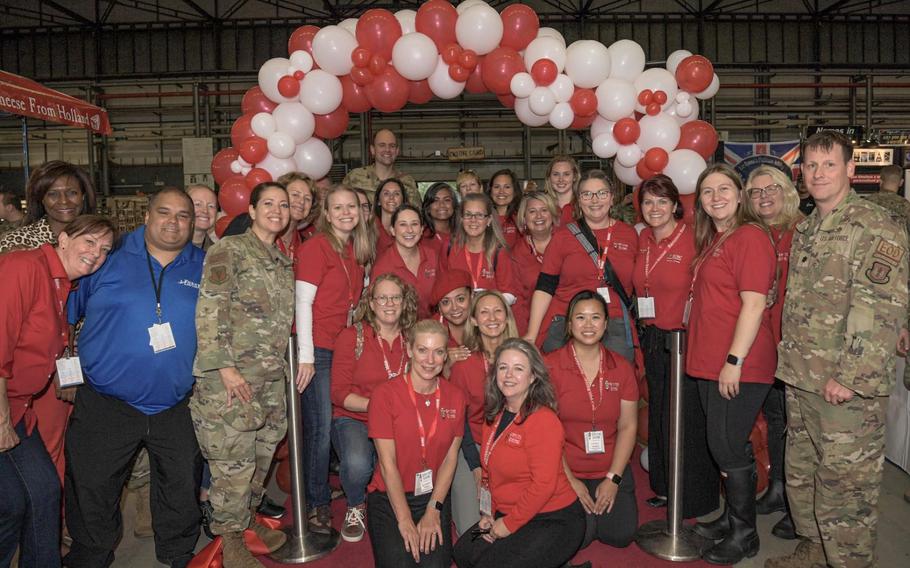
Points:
(499, 66)
(234, 196)
(354, 97)
(333, 124)
(582, 122)
(302, 38)
(458, 73)
(241, 130)
(643, 171)
(221, 164)
(507, 100)
(694, 73)
(419, 92)
(361, 76)
(254, 101)
(656, 159)
(544, 72)
(377, 64)
(436, 19)
(254, 149)
(283, 475)
(222, 223)
(645, 97)
(257, 176)
(378, 30)
(475, 83)
(450, 53)
(653, 109)
(698, 135)
(660, 97)
(687, 202)
(626, 130)
(583, 102)
(519, 26)
(360, 57)
(299, 75)
(468, 59)
(288, 86)
(389, 91)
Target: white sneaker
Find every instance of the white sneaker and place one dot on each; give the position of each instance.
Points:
(354, 526)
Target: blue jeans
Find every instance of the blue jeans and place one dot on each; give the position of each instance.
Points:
(317, 425)
(357, 456)
(30, 503)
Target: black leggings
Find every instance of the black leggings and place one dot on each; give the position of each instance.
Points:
(616, 528)
(388, 546)
(775, 410)
(549, 540)
(730, 422)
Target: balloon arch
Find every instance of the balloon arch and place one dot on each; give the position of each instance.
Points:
(647, 120)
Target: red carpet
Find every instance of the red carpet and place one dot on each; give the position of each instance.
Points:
(359, 555)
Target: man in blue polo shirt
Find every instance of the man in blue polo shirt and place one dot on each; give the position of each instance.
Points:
(136, 348)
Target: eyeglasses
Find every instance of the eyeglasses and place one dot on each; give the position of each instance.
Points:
(388, 300)
(475, 216)
(759, 192)
(589, 195)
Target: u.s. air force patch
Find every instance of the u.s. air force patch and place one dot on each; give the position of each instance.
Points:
(879, 273)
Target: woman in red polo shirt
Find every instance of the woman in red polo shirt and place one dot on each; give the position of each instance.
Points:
(561, 182)
(577, 259)
(731, 348)
(452, 298)
(390, 195)
(416, 421)
(411, 259)
(33, 343)
(530, 514)
(439, 216)
(505, 193)
(300, 198)
(662, 277)
(329, 273)
(537, 217)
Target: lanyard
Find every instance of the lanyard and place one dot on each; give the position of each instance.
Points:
(606, 251)
(534, 252)
(598, 380)
(492, 440)
(61, 313)
(704, 257)
(424, 436)
(475, 271)
(347, 275)
(648, 267)
(157, 287)
(385, 360)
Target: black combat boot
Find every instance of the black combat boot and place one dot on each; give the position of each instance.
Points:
(742, 539)
(716, 529)
(774, 499)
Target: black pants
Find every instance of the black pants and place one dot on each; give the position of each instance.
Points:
(775, 411)
(730, 422)
(618, 527)
(104, 435)
(701, 480)
(549, 540)
(388, 546)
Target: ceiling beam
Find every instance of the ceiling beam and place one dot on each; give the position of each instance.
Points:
(202, 12)
(64, 10)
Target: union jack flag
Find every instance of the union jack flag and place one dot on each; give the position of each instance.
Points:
(776, 153)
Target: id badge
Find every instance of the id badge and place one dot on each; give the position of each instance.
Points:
(686, 311)
(486, 502)
(604, 293)
(423, 482)
(646, 307)
(161, 338)
(69, 372)
(594, 442)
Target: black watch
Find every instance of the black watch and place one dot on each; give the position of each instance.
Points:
(436, 504)
(734, 360)
(615, 478)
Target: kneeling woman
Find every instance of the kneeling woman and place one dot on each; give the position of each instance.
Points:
(598, 406)
(416, 421)
(531, 515)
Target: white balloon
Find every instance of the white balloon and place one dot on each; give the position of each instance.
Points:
(628, 155)
(302, 60)
(349, 25)
(675, 58)
(684, 109)
(277, 166)
(656, 79)
(294, 119)
(236, 167)
(269, 74)
(414, 56)
(522, 84)
(541, 101)
(626, 175)
(615, 99)
(332, 48)
(563, 88)
(682, 97)
(546, 48)
(467, 4)
(681, 119)
(281, 145)
(245, 170)
(604, 145)
(313, 158)
(562, 116)
(684, 167)
(527, 116)
(320, 92)
(660, 131)
(479, 28)
(550, 32)
(243, 163)
(263, 124)
(711, 90)
(627, 60)
(601, 126)
(587, 63)
(442, 85)
(407, 19)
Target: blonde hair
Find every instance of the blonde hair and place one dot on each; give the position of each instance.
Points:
(472, 339)
(316, 208)
(430, 326)
(492, 237)
(704, 224)
(363, 244)
(465, 175)
(576, 171)
(790, 213)
(542, 196)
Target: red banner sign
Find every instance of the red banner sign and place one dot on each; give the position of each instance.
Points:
(25, 97)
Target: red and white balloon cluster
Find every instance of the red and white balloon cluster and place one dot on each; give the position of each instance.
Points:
(646, 119)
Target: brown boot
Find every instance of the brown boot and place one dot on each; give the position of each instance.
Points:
(143, 527)
(807, 554)
(273, 539)
(235, 553)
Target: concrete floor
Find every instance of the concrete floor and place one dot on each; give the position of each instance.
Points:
(893, 527)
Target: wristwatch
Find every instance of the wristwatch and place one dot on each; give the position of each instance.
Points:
(436, 504)
(734, 360)
(614, 477)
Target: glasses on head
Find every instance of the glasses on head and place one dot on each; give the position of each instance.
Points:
(759, 192)
(475, 216)
(589, 195)
(388, 300)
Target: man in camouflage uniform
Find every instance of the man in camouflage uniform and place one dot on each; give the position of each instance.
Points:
(384, 151)
(887, 196)
(11, 215)
(243, 321)
(846, 301)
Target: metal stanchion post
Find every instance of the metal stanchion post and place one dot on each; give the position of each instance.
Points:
(302, 545)
(670, 539)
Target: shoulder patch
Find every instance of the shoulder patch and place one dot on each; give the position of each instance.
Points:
(888, 252)
(218, 274)
(879, 273)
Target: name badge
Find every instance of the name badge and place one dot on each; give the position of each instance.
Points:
(161, 338)
(604, 293)
(646, 307)
(423, 482)
(687, 310)
(69, 372)
(486, 502)
(594, 442)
